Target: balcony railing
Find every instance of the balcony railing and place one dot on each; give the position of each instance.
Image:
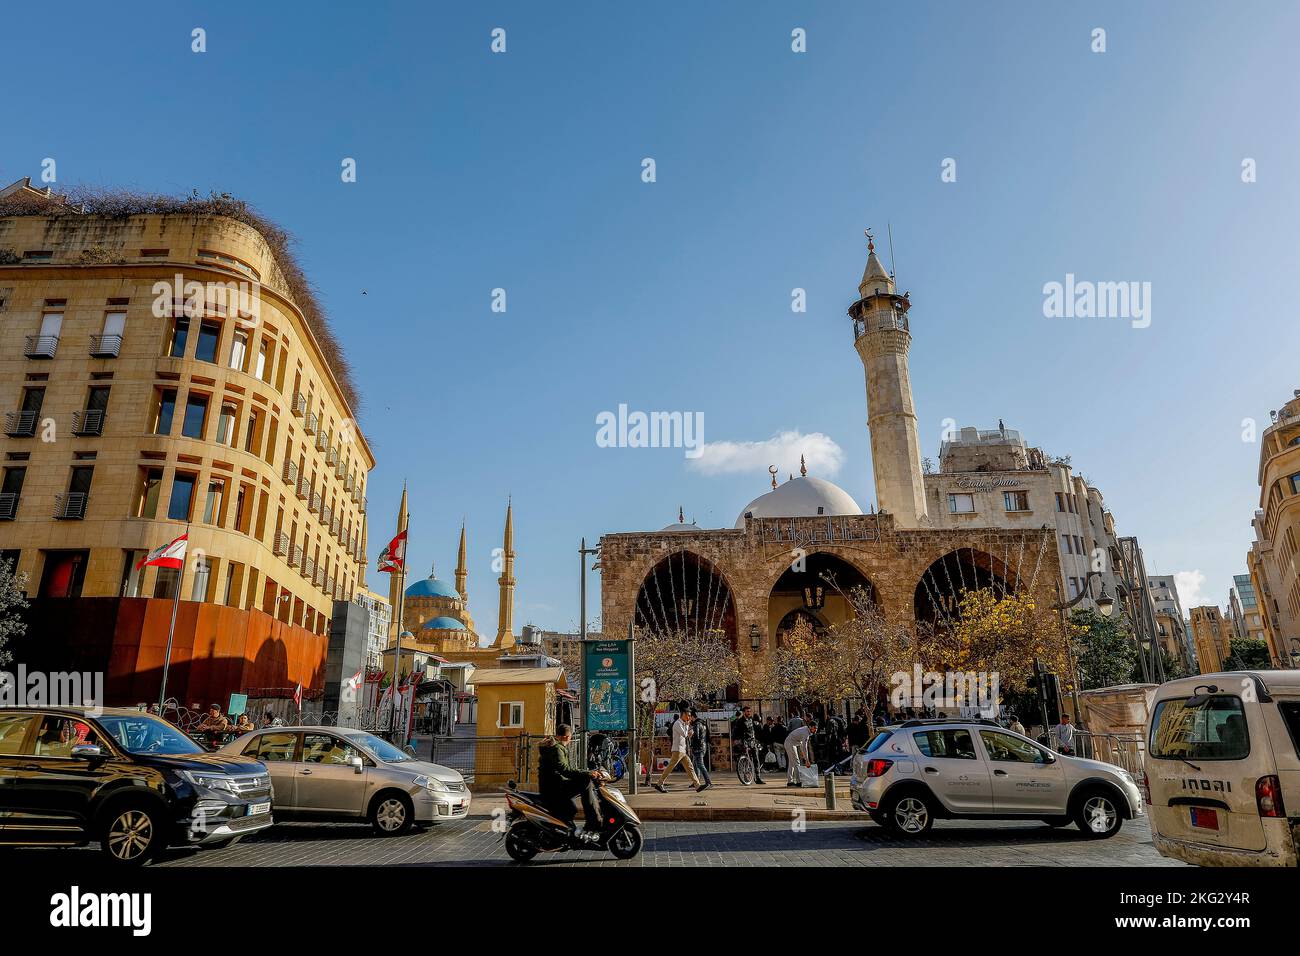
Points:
(21, 424)
(312, 423)
(351, 483)
(88, 422)
(332, 457)
(308, 568)
(290, 474)
(41, 346)
(315, 503)
(300, 404)
(361, 504)
(304, 487)
(326, 515)
(318, 577)
(336, 525)
(105, 346)
(295, 557)
(322, 440)
(340, 469)
(72, 506)
(8, 505)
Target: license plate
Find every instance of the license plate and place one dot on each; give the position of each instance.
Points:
(1205, 819)
(255, 808)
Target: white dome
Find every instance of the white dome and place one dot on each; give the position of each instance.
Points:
(801, 498)
(681, 527)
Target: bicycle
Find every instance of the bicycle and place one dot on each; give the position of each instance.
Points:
(744, 765)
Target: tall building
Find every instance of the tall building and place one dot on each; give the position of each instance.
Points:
(1273, 564)
(164, 368)
(1211, 633)
(1243, 607)
(1171, 626)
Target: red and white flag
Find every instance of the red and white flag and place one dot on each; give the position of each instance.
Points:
(297, 696)
(170, 555)
(352, 686)
(393, 557)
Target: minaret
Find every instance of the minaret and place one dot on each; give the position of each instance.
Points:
(505, 611)
(882, 339)
(462, 572)
(395, 580)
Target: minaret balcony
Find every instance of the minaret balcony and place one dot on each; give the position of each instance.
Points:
(876, 313)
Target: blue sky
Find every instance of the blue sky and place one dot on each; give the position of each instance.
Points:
(522, 171)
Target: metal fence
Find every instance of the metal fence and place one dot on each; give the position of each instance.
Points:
(489, 763)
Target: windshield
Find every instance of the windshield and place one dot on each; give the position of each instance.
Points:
(379, 747)
(148, 735)
(1216, 731)
(878, 741)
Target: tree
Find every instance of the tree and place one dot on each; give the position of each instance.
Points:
(12, 604)
(1247, 654)
(861, 654)
(795, 671)
(1103, 649)
(681, 665)
(998, 635)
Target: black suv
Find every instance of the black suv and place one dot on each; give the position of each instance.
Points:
(129, 780)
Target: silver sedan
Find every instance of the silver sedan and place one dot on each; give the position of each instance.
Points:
(337, 773)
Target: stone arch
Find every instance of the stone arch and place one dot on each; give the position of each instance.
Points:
(685, 592)
(818, 587)
(940, 586)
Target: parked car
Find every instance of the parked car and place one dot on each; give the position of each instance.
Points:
(1223, 768)
(336, 773)
(911, 774)
(128, 780)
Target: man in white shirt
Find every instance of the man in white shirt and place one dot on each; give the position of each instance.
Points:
(1064, 734)
(680, 754)
(798, 751)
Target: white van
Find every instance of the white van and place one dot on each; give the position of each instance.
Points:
(1223, 768)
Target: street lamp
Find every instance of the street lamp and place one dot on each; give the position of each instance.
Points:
(1105, 603)
(755, 638)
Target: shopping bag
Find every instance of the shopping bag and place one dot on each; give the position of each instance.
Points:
(807, 776)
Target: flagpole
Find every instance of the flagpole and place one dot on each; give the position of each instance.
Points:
(171, 630)
(401, 606)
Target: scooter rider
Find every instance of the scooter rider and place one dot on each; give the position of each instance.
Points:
(560, 782)
(745, 731)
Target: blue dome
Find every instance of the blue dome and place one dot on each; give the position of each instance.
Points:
(443, 624)
(432, 587)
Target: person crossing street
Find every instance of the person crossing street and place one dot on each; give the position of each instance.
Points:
(681, 732)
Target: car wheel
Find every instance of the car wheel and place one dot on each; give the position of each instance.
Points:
(1097, 815)
(626, 843)
(909, 815)
(130, 833)
(392, 814)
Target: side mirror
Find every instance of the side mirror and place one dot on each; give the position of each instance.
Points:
(86, 752)
(358, 765)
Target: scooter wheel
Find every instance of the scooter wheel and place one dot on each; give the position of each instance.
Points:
(626, 843)
(520, 849)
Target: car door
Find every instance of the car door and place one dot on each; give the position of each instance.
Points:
(1026, 778)
(278, 749)
(52, 798)
(954, 769)
(327, 782)
(14, 762)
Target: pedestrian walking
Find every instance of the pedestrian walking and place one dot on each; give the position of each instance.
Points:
(1063, 733)
(681, 734)
(700, 749)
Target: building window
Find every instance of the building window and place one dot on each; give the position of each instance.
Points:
(1078, 545)
(132, 577)
(147, 496)
(239, 350)
(510, 714)
(1060, 501)
(1295, 483)
(180, 334)
(959, 504)
(226, 423)
(213, 501)
(1073, 587)
(178, 509)
(1015, 500)
(1065, 542)
(209, 336)
(166, 411)
(253, 435)
(196, 415)
(166, 583)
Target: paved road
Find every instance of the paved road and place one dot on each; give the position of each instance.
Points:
(472, 842)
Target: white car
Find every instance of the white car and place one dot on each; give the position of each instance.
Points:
(911, 774)
(337, 773)
(1223, 769)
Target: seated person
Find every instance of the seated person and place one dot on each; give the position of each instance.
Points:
(560, 782)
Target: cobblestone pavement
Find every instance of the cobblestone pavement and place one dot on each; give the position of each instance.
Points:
(471, 842)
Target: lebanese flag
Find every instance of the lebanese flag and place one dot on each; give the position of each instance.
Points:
(351, 686)
(297, 696)
(393, 557)
(171, 555)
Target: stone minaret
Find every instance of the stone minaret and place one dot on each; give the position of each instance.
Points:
(505, 611)
(462, 572)
(881, 336)
(395, 580)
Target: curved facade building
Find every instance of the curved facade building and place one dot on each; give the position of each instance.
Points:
(156, 373)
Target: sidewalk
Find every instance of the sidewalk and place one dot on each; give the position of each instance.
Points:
(729, 800)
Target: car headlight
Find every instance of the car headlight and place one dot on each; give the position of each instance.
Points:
(432, 784)
(209, 781)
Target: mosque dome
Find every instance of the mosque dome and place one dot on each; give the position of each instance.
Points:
(681, 524)
(443, 623)
(432, 587)
(801, 497)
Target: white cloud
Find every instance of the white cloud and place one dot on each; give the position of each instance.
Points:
(783, 449)
(1190, 585)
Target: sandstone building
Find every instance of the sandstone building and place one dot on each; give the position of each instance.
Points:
(1272, 561)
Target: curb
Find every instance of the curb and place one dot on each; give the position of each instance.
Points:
(745, 814)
